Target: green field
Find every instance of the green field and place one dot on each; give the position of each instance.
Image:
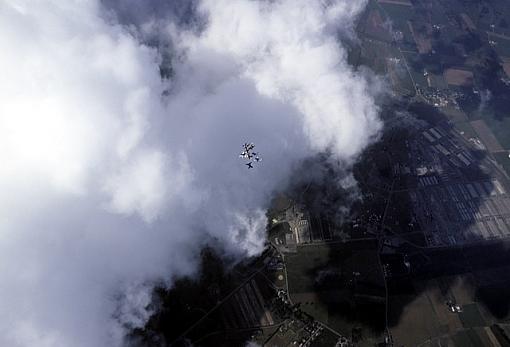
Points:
(466, 128)
(502, 46)
(500, 129)
(321, 278)
(471, 316)
(415, 320)
(301, 267)
(438, 81)
(374, 55)
(418, 77)
(467, 338)
(456, 116)
(503, 159)
(400, 15)
(500, 126)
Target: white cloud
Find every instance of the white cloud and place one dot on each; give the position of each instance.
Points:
(107, 186)
(142, 185)
(290, 51)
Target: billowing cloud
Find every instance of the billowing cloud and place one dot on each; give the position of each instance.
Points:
(112, 178)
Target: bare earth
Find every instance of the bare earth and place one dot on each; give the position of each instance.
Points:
(458, 77)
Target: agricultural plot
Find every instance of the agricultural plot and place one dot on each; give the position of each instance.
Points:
(375, 55)
(482, 16)
(471, 316)
(458, 77)
(399, 77)
(422, 39)
(455, 115)
(377, 26)
(400, 15)
(332, 283)
(396, 2)
(506, 68)
(468, 22)
(467, 338)
(397, 12)
(501, 45)
(486, 135)
(437, 81)
(500, 128)
(301, 267)
(503, 160)
(416, 73)
(417, 321)
(465, 129)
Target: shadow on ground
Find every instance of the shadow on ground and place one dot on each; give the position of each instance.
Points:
(370, 269)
